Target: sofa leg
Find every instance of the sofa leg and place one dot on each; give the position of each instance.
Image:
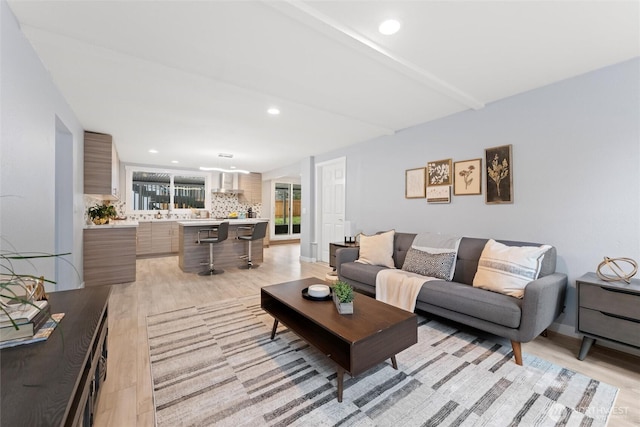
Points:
(544, 333)
(517, 351)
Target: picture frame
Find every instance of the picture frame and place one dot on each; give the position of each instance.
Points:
(498, 175)
(439, 172)
(467, 177)
(439, 194)
(415, 183)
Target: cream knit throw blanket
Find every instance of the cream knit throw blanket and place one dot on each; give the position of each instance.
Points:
(399, 288)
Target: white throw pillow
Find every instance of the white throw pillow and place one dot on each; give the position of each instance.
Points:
(508, 269)
(377, 249)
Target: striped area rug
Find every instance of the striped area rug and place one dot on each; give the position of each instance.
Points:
(216, 365)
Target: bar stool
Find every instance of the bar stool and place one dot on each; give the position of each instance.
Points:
(212, 236)
(258, 231)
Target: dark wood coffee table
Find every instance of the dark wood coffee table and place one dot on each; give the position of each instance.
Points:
(355, 342)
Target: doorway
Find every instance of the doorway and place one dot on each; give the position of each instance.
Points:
(330, 206)
(65, 275)
(287, 214)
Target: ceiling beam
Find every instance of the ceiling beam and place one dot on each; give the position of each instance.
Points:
(328, 26)
(37, 34)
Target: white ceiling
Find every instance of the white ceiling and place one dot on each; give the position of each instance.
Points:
(192, 79)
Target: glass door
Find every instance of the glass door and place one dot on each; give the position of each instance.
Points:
(287, 209)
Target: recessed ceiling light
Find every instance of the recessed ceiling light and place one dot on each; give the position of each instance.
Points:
(174, 161)
(153, 151)
(273, 111)
(388, 27)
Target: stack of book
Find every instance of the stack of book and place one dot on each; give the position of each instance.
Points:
(28, 321)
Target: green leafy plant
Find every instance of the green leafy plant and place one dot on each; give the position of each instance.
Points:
(17, 289)
(100, 214)
(343, 291)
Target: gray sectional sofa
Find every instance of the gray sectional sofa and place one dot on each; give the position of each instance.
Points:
(519, 320)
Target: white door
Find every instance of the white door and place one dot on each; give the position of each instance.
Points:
(330, 177)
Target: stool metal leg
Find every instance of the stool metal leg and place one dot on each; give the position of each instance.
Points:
(211, 271)
(249, 264)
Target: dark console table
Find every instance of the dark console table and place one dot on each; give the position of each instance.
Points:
(55, 382)
(334, 246)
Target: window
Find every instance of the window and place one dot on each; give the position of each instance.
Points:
(151, 190)
(287, 208)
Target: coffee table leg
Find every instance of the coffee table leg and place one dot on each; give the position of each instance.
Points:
(275, 326)
(394, 363)
(340, 374)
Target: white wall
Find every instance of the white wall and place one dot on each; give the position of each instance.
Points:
(576, 172)
(29, 106)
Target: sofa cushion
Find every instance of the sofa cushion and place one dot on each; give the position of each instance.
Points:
(359, 272)
(490, 306)
(377, 249)
(401, 244)
(438, 265)
(508, 269)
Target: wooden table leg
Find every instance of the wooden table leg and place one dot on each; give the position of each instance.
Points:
(393, 362)
(273, 330)
(340, 377)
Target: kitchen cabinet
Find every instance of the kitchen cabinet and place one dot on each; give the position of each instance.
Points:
(251, 186)
(157, 237)
(109, 255)
(175, 237)
(607, 310)
(161, 237)
(101, 166)
(143, 242)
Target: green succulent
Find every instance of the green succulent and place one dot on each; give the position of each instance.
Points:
(343, 291)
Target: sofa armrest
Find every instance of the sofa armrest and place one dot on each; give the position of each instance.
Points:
(542, 304)
(344, 255)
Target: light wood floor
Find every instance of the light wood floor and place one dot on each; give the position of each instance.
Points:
(126, 397)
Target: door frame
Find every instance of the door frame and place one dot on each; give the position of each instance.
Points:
(319, 167)
(272, 196)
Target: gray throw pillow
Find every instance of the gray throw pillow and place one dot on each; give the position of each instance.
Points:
(427, 264)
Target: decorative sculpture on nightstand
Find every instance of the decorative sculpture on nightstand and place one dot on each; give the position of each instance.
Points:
(618, 272)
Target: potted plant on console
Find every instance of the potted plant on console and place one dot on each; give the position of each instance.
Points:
(100, 214)
(343, 297)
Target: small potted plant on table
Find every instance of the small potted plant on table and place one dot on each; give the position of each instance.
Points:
(343, 297)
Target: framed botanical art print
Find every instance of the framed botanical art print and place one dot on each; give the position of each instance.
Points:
(439, 172)
(414, 183)
(439, 194)
(467, 177)
(499, 175)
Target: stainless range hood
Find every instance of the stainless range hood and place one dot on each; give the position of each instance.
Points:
(226, 184)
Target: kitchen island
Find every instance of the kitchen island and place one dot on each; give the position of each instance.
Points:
(226, 254)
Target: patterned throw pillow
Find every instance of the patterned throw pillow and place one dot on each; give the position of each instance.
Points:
(427, 264)
(508, 269)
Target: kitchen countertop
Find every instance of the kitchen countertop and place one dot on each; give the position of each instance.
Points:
(113, 224)
(213, 221)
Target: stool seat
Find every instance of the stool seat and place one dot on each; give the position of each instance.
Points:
(212, 236)
(258, 231)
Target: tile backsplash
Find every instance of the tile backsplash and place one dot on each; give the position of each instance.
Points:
(221, 206)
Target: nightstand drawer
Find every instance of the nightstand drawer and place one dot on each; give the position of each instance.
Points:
(597, 323)
(610, 301)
